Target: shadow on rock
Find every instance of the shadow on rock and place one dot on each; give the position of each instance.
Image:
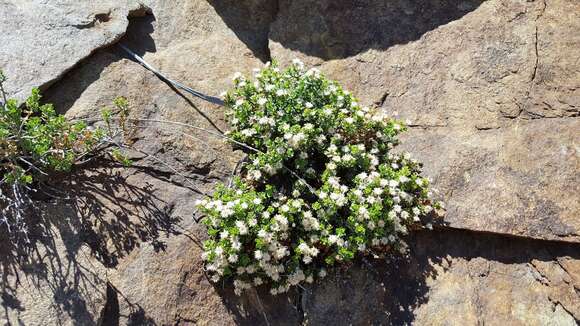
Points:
(331, 29)
(389, 291)
(250, 20)
(138, 38)
(80, 226)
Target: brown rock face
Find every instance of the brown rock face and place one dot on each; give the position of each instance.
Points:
(491, 90)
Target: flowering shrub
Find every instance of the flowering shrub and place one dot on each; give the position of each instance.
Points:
(321, 187)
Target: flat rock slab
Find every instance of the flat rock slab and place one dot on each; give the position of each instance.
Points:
(491, 92)
(41, 40)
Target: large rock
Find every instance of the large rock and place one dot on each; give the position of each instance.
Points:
(125, 248)
(491, 92)
(492, 281)
(41, 40)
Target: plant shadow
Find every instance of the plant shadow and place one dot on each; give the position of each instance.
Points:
(389, 290)
(81, 225)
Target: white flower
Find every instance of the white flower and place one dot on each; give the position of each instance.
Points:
(280, 92)
(309, 105)
(233, 258)
(236, 245)
(256, 175)
(298, 63)
(262, 101)
(237, 76)
(205, 255)
(248, 132)
(295, 140)
(239, 101)
(258, 254)
(224, 234)
(242, 227)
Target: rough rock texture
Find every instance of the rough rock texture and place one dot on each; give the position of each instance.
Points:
(492, 281)
(491, 90)
(41, 40)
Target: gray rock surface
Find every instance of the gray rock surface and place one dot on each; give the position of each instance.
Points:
(42, 40)
(125, 249)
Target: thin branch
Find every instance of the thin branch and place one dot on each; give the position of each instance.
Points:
(235, 170)
(261, 306)
(312, 190)
(147, 66)
(34, 167)
(248, 147)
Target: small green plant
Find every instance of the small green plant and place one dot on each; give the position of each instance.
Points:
(36, 142)
(322, 186)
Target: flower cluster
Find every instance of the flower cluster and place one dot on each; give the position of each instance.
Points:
(321, 186)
